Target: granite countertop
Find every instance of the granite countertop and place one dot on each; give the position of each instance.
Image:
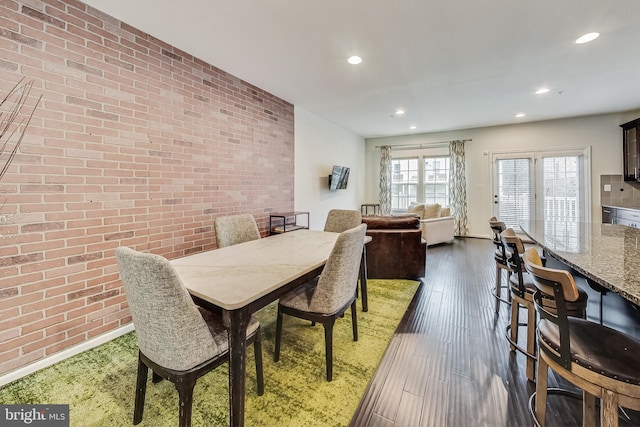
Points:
(608, 254)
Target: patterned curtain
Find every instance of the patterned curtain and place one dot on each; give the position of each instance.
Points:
(385, 180)
(458, 188)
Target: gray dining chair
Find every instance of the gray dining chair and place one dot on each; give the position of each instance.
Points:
(339, 220)
(234, 229)
(328, 296)
(177, 340)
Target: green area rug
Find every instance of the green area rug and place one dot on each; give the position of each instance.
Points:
(99, 384)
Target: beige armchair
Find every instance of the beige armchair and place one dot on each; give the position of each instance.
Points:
(437, 223)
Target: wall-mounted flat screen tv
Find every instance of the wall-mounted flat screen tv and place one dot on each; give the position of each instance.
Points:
(339, 178)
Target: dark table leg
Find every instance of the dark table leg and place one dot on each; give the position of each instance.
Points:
(236, 322)
(363, 279)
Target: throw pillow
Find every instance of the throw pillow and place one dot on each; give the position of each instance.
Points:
(431, 211)
(445, 212)
(417, 208)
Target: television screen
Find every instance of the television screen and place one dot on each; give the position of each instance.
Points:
(339, 178)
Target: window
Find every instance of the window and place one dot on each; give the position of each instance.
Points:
(436, 180)
(427, 183)
(404, 182)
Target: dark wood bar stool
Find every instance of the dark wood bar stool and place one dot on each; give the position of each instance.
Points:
(522, 288)
(599, 360)
(501, 257)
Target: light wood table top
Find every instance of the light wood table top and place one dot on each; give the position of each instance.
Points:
(235, 276)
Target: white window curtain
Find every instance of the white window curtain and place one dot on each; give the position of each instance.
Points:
(458, 188)
(385, 180)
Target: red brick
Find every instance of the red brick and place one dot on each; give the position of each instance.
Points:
(136, 143)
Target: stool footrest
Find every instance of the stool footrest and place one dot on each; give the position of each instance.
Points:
(515, 345)
(550, 391)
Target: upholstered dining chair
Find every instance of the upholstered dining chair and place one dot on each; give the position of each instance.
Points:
(327, 297)
(339, 220)
(179, 341)
(234, 229)
(599, 360)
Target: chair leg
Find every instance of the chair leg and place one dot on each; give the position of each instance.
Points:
(276, 351)
(609, 409)
(589, 410)
(328, 347)
(185, 393)
(541, 390)
(498, 289)
(354, 321)
(257, 350)
(513, 330)
(141, 388)
(531, 342)
(156, 378)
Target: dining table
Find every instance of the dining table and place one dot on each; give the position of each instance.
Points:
(607, 254)
(243, 278)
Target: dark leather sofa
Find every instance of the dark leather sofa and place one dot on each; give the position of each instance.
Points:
(397, 250)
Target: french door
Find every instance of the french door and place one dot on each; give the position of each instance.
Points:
(551, 186)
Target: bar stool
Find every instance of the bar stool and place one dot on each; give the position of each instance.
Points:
(599, 360)
(501, 256)
(521, 290)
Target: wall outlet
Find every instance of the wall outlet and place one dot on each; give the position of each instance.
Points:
(607, 187)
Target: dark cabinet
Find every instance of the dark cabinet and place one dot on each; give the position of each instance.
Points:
(631, 150)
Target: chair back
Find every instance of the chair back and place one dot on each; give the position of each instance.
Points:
(234, 229)
(339, 279)
(557, 284)
(339, 220)
(170, 329)
(498, 227)
(511, 241)
(548, 279)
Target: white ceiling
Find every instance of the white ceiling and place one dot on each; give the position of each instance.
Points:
(450, 64)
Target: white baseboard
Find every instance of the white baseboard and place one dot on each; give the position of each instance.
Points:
(64, 354)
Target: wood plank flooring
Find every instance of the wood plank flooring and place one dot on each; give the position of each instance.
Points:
(449, 364)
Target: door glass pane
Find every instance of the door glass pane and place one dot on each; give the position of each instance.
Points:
(513, 196)
(561, 189)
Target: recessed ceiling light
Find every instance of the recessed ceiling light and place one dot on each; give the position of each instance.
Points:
(412, 127)
(399, 112)
(587, 38)
(354, 60)
(519, 115)
(542, 90)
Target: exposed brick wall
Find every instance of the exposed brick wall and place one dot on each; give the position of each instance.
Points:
(135, 143)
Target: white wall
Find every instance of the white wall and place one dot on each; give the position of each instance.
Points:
(602, 133)
(320, 144)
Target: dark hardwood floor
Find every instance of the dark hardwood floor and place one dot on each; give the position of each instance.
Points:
(449, 363)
